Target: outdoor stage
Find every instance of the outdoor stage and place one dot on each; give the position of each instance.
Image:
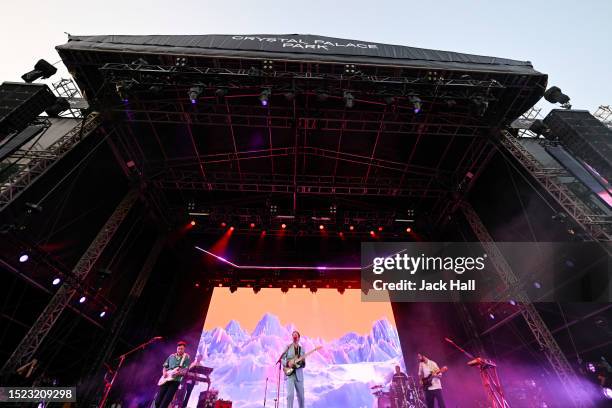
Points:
(219, 188)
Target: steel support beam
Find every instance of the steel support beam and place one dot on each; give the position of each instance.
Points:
(28, 346)
(576, 395)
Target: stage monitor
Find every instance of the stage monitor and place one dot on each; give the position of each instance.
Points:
(245, 333)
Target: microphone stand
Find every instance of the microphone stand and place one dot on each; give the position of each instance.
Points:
(109, 384)
(266, 392)
(279, 363)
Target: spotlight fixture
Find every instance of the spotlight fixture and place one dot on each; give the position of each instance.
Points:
(42, 69)
(555, 95)
(283, 226)
(352, 227)
(341, 290)
(223, 224)
(181, 62)
(434, 76)
(268, 65)
(192, 223)
(350, 69)
(284, 289)
(264, 97)
(256, 289)
(233, 288)
(416, 102)
(313, 289)
(372, 233)
(24, 258)
(82, 299)
(123, 89)
(408, 230)
(491, 316)
(56, 281)
(103, 313)
(252, 225)
(321, 227)
(194, 93)
(607, 392)
(349, 99)
(537, 285)
(480, 104)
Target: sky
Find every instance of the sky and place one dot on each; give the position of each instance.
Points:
(567, 39)
(326, 314)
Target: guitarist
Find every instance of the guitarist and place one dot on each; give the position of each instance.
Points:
(430, 374)
(166, 391)
(295, 381)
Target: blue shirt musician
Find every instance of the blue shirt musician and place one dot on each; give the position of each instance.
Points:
(295, 380)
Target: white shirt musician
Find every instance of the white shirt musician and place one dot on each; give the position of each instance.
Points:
(430, 374)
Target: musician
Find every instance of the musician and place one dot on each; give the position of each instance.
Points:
(295, 381)
(399, 387)
(433, 393)
(166, 391)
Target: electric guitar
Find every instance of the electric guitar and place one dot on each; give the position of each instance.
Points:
(296, 362)
(426, 381)
(177, 372)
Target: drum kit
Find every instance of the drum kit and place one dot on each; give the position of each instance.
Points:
(405, 394)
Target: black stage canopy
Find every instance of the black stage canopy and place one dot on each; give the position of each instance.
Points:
(304, 47)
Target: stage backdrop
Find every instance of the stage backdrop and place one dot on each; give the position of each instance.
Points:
(245, 333)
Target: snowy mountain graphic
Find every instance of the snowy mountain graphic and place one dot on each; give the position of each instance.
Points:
(339, 375)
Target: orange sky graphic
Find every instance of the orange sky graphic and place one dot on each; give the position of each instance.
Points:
(326, 314)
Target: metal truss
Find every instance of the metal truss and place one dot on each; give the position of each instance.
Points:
(122, 314)
(545, 339)
(300, 184)
(32, 163)
(65, 88)
(28, 346)
(604, 114)
(186, 75)
(598, 227)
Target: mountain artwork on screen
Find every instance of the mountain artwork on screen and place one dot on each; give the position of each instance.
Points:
(339, 375)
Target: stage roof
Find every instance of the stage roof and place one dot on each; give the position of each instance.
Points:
(297, 47)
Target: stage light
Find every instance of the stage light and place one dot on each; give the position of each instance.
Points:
(123, 89)
(380, 229)
(327, 286)
(349, 99)
(555, 95)
(82, 299)
(591, 367)
(351, 227)
(197, 284)
(313, 289)
(321, 227)
(56, 281)
(270, 285)
(537, 285)
(42, 69)
(233, 288)
(512, 302)
(491, 316)
(103, 313)
(372, 233)
(194, 93)
(284, 289)
(408, 230)
(283, 226)
(220, 285)
(231, 228)
(480, 104)
(264, 97)
(341, 290)
(294, 285)
(341, 234)
(256, 289)
(252, 225)
(349, 287)
(349, 69)
(607, 392)
(193, 223)
(303, 286)
(24, 258)
(223, 224)
(416, 102)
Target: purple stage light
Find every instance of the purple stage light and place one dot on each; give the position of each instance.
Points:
(264, 102)
(607, 392)
(193, 101)
(269, 267)
(537, 285)
(492, 316)
(591, 367)
(512, 302)
(82, 299)
(24, 258)
(56, 281)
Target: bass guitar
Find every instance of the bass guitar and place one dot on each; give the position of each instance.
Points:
(426, 381)
(295, 362)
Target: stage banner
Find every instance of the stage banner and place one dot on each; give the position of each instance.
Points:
(486, 272)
